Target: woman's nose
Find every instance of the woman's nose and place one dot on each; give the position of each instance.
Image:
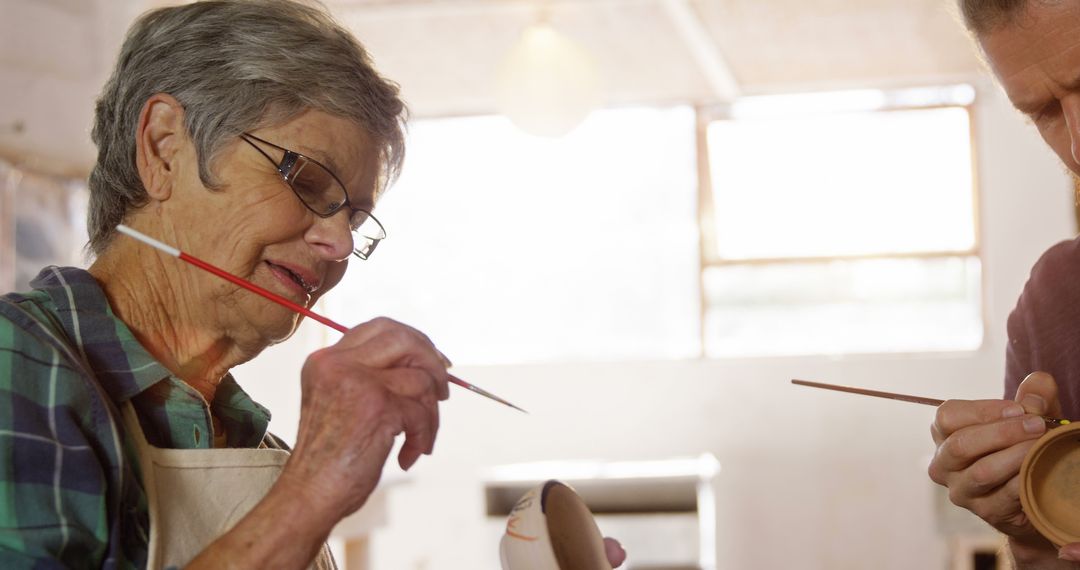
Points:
(332, 236)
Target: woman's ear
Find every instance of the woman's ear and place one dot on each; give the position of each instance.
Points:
(158, 140)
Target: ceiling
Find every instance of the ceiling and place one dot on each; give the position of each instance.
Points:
(54, 54)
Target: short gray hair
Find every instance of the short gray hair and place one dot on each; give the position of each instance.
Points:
(234, 65)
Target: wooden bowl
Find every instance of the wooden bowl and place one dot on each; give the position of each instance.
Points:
(1050, 484)
(550, 528)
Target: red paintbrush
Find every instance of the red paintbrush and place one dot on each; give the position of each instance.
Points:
(276, 298)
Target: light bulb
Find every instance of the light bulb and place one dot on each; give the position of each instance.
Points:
(547, 84)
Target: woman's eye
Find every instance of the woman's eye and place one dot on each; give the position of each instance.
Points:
(305, 188)
(311, 187)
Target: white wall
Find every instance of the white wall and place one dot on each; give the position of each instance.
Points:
(809, 479)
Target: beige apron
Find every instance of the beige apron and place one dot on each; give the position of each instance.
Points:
(196, 495)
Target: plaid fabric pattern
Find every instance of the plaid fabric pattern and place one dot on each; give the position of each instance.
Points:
(70, 494)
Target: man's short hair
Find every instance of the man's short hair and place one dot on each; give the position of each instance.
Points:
(981, 16)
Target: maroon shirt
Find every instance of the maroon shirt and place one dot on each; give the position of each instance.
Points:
(1044, 328)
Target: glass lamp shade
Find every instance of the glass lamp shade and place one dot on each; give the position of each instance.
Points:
(546, 84)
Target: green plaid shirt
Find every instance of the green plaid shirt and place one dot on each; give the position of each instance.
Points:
(70, 494)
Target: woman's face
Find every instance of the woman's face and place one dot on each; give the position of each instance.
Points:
(256, 227)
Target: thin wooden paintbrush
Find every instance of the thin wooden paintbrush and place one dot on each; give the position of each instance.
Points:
(1050, 422)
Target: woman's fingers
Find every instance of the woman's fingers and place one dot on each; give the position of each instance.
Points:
(419, 433)
(614, 551)
(420, 407)
(385, 343)
(381, 380)
(1070, 552)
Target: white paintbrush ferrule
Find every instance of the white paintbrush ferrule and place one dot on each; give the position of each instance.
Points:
(148, 240)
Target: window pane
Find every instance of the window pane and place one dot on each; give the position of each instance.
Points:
(844, 306)
(505, 247)
(842, 184)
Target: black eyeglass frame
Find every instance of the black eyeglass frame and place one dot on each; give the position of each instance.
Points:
(285, 170)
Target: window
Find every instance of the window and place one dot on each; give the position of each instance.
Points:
(45, 225)
(506, 248)
(841, 223)
(817, 224)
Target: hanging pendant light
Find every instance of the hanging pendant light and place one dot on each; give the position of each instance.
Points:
(547, 84)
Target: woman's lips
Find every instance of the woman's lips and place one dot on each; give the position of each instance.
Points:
(291, 280)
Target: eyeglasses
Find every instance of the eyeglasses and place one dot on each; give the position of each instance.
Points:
(322, 192)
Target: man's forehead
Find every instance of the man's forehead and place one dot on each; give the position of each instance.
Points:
(1036, 55)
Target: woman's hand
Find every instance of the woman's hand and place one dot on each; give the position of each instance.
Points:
(381, 379)
(614, 551)
(1070, 552)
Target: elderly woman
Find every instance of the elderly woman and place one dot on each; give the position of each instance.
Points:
(256, 135)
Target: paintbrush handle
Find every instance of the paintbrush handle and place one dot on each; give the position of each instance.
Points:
(263, 292)
(316, 316)
(875, 393)
(1050, 422)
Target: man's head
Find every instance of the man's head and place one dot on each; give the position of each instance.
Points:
(1033, 47)
(983, 15)
(234, 66)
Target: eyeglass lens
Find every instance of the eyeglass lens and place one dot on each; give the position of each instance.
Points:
(315, 186)
(324, 194)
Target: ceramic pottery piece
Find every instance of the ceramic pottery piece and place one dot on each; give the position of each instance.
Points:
(1050, 484)
(550, 528)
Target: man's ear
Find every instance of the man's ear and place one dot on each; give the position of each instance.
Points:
(158, 140)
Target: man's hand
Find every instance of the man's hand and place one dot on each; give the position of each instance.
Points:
(980, 447)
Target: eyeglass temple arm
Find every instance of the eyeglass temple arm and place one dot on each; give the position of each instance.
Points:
(287, 162)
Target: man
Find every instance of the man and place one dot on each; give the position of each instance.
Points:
(1033, 48)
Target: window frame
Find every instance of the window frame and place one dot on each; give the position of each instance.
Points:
(709, 258)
